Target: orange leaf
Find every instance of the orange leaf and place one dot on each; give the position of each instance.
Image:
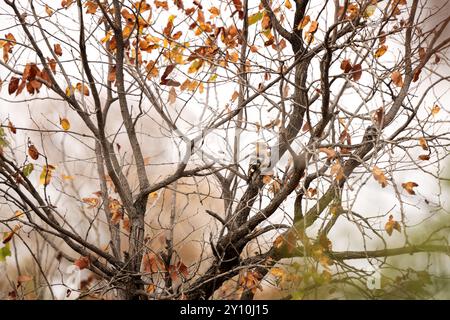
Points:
(423, 143)
(408, 186)
(392, 225)
(397, 78)
(381, 51)
(303, 22)
(57, 49)
(435, 110)
(379, 176)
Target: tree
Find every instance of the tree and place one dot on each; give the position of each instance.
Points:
(280, 115)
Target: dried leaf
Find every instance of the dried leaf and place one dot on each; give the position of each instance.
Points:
(392, 225)
(435, 110)
(381, 51)
(346, 66)
(303, 22)
(423, 143)
(356, 72)
(397, 78)
(379, 176)
(33, 152)
(331, 154)
(408, 186)
(57, 49)
(424, 157)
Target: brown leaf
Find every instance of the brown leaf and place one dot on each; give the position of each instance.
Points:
(33, 152)
(423, 143)
(8, 236)
(356, 72)
(338, 171)
(346, 66)
(392, 225)
(82, 88)
(331, 154)
(424, 157)
(57, 49)
(13, 85)
(408, 186)
(172, 95)
(379, 176)
(397, 78)
(11, 127)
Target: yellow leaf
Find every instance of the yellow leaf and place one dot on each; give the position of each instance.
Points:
(195, 66)
(392, 225)
(107, 37)
(370, 10)
(67, 178)
(254, 18)
(288, 4)
(381, 51)
(46, 174)
(69, 91)
(65, 124)
(277, 272)
(378, 174)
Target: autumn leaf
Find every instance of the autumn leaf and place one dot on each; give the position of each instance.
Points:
(288, 4)
(11, 127)
(424, 157)
(346, 66)
(331, 154)
(27, 169)
(48, 10)
(254, 18)
(33, 152)
(67, 3)
(356, 72)
(195, 66)
(305, 20)
(92, 202)
(82, 263)
(46, 174)
(435, 110)
(397, 78)
(423, 143)
(337, 171)
(408, 186)
(392, 225)
(380, 51)
(379, 176)
(65, 124)
(172, 96)
(82, 88)
(267, 179)
(57, 49)
(313, 27)
(8, 236)
(91, 7)
(13, 85)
